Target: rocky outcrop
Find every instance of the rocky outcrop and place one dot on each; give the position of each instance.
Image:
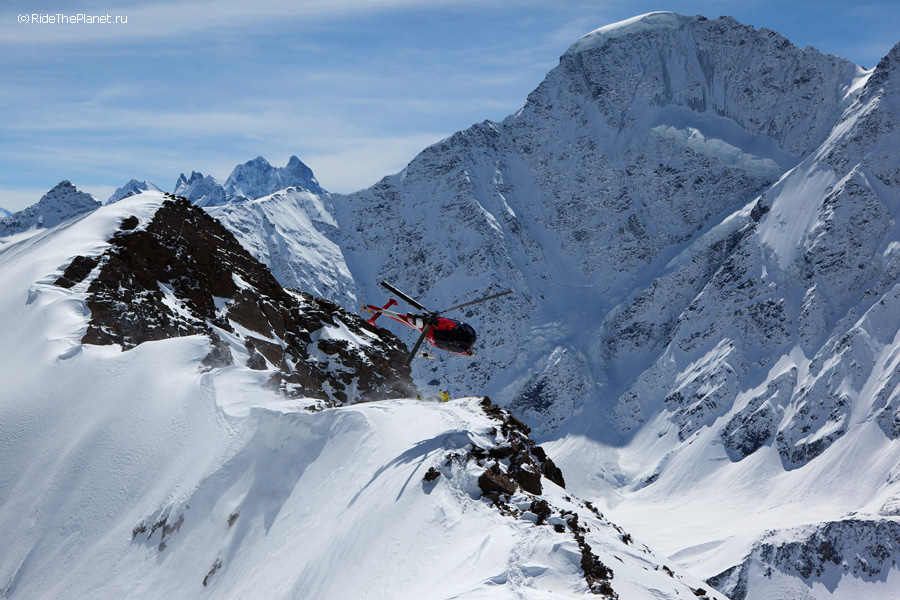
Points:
(183, 274)
(517, 462)
(509, 468)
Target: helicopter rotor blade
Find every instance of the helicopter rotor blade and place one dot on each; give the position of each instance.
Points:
(403, 296)
(491, 297)
(419, 341)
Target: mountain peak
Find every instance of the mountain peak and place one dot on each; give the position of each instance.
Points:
(63, 202)
(886, 69)
(257, 178)
(131, 188)
(259, 161)
(202, 191)
(653, 20)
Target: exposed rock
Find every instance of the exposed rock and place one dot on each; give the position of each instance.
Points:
(493, 481)
(77, 271)
(185, 274)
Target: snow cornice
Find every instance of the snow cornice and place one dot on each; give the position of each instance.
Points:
(653, 20)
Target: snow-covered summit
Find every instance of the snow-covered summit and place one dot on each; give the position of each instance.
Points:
(653, 20)
(63, 202)
(691, 211)
(133, 187)
(202, 191)
(248, 181)
(257, 178)
(621, 157)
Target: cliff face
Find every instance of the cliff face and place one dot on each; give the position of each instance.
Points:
(646, 137)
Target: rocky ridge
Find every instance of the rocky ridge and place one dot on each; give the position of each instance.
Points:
(512, 467)
(184, 274)
(862, 549)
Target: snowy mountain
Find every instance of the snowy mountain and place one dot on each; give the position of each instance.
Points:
(4, 213)
(59, 204)
(796, 560)
(700, 221)
(293, 231)
(202, 191)
(633, 147)
(132, 187)
(160, 434)
(182, 273)
(251, 180)
(257, 178)
(781, 366)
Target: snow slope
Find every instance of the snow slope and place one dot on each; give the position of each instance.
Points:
(291, 231)
(771, 406)
(148, 472)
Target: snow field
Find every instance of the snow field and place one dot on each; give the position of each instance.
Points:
(141, 474)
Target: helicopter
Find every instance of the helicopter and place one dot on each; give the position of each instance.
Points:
(441, 332)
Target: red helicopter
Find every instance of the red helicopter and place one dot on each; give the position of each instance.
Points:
(441, 332)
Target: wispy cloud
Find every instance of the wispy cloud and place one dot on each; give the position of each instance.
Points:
(355, 88)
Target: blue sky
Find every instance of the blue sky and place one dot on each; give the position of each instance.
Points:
(354, 88)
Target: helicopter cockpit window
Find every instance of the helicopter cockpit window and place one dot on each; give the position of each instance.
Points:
(459, 339)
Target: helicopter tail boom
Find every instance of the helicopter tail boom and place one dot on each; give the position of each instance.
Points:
(377, 312)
